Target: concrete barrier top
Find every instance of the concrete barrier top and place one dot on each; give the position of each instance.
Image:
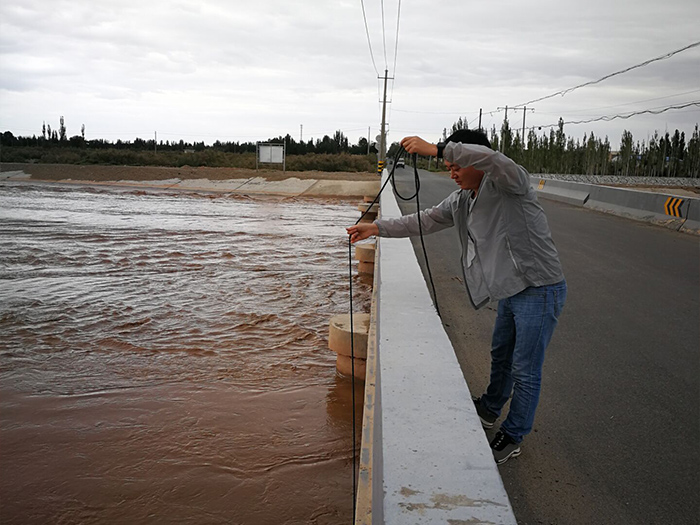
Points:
(437, 466)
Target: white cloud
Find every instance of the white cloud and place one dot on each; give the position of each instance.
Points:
(242, 71)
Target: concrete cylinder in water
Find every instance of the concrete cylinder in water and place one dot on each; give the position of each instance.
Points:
(342, 341)
(364, 252)
(343, 364)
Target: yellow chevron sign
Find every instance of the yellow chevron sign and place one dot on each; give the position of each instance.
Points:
(673, 206)
(541, 185)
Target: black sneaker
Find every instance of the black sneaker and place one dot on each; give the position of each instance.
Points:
(487, 418)
(504, 448)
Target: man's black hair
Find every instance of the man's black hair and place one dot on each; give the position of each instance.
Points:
(469, 136)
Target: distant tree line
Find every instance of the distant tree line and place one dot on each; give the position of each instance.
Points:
(330, 153)
(52, 138)
(667, 155)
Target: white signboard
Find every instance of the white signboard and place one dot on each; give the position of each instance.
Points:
(271, 153)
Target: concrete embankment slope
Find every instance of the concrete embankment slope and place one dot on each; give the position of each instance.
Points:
(312, 184)
(430, 459)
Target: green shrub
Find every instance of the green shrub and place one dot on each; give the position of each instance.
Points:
(208, 157)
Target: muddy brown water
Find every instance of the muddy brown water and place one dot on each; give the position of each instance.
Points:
(163, 358)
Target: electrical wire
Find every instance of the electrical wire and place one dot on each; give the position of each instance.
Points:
(642, 64)
(608, 118)
(589, 110)
(386, 64)
(396, 52)
(396, 45)
(371, 53)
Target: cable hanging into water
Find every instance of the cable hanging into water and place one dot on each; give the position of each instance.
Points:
(352, 328)
(352, 389)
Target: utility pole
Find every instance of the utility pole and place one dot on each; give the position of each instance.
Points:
(525, 109)
(480, 119)
(368, 139)
(301, 133)
(155, 142)
(501, 142)
(382, 141)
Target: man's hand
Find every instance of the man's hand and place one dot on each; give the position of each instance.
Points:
(362, 230)
(419, 146)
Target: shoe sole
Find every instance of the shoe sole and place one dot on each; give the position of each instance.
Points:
(513, 454)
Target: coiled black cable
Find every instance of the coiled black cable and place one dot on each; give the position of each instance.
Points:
(416, 196)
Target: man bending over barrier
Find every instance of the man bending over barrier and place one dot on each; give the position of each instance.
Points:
(507, 256)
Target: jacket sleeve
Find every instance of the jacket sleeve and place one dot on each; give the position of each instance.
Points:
(504, 173)
(432, 220)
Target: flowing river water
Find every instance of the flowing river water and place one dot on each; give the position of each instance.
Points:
(163, 357)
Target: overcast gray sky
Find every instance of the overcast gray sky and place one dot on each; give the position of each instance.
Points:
(247, 71)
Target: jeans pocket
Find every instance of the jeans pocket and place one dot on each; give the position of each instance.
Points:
(559, 300)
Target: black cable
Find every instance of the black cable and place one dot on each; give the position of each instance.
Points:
(352, 354)
(352, 327)
(418, 210)
(352, 365)
(422, 242)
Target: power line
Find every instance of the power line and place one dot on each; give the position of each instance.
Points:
(371, 53)
(645, 63)
(396, 46)
(625, 104)
(396, 52)
(608, 118)
(386, 63)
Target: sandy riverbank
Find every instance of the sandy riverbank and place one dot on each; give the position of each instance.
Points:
(230, 180)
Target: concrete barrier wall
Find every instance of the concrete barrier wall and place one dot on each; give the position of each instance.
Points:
(671, 211)
(369, 501)
(569, 192)
(431, 462)
(692, 224)
(639, 205)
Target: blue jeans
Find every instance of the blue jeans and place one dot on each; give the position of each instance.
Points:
(523, 329)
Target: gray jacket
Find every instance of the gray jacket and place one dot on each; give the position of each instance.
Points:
(511, 245)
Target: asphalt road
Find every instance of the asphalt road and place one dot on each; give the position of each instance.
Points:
(616, 434)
